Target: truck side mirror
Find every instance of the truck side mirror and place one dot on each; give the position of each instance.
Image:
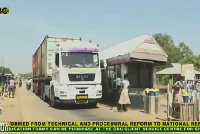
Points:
(102, 65)
(57, 59)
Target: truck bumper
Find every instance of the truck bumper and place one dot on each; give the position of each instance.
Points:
(89, 101)
(93, 92)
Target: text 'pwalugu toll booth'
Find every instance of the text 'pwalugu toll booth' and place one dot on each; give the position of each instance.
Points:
(137, 57)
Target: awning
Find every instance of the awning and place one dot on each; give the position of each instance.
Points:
(152, 57)
(118, 60)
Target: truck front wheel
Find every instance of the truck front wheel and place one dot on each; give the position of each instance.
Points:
(53, 102)
(42, 91)
(93, 104)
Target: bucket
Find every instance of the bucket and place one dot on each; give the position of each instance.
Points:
(156, 93)
(185, 98)
(151, 93)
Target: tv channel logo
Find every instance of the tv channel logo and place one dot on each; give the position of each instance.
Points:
(4, 126)
(4, 10)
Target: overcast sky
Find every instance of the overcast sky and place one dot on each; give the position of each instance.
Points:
(107, 22)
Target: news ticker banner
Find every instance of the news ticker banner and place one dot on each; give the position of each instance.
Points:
(4, 10)
(99, 126)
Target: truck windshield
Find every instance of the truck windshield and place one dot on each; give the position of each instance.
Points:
(80, 60)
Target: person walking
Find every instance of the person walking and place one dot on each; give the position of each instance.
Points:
(124, 99)
(3, 89)
(15, 85)
(11, 87)
(28, 83)
(20, 82)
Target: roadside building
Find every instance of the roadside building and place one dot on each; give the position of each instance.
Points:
(175, 72)
(137, 57)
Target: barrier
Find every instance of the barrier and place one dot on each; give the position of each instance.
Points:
(151, 104)
(183, 111)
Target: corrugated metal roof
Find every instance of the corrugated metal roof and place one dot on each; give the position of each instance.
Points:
(175, 69)
(196, 72)
(124, 48)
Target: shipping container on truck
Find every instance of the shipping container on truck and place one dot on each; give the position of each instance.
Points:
(41, 71)
(66, 70)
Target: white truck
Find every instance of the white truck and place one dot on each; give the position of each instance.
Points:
(67, 70)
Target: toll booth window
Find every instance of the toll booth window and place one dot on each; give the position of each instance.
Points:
(111, 77)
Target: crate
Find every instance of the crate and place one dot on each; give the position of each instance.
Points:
(183, 111)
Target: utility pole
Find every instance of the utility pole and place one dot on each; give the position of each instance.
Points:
(2, 72)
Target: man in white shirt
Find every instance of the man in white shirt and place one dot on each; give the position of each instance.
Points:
(11, 87)
(28, 83)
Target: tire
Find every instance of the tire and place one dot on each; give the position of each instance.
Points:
(53, 102)
(93, 105)
(44, 98)
(37, 91)
(42, 92)
(34, 88)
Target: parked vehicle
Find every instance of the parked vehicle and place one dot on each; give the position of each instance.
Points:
(67, 70)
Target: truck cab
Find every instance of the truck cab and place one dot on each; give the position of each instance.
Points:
(76, 74)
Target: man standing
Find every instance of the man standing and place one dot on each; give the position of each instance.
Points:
(28, 83)
(15, 85)
(11, 87)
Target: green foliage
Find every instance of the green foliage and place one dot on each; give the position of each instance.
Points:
(167, 43)
(164, 80)
(194, 59)
(176, 54)
(5, 70)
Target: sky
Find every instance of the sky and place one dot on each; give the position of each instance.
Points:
(106, 22)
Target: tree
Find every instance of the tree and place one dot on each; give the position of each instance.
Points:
(181, 53)
(194, 59)
(167, 44)
(5, 70)
(163, 39)
(185, 52)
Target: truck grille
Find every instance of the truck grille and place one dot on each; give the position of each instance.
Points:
(81, 77)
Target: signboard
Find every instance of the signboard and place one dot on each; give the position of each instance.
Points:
(188, 71)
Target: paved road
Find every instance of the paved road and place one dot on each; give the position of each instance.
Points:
(28, 107)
